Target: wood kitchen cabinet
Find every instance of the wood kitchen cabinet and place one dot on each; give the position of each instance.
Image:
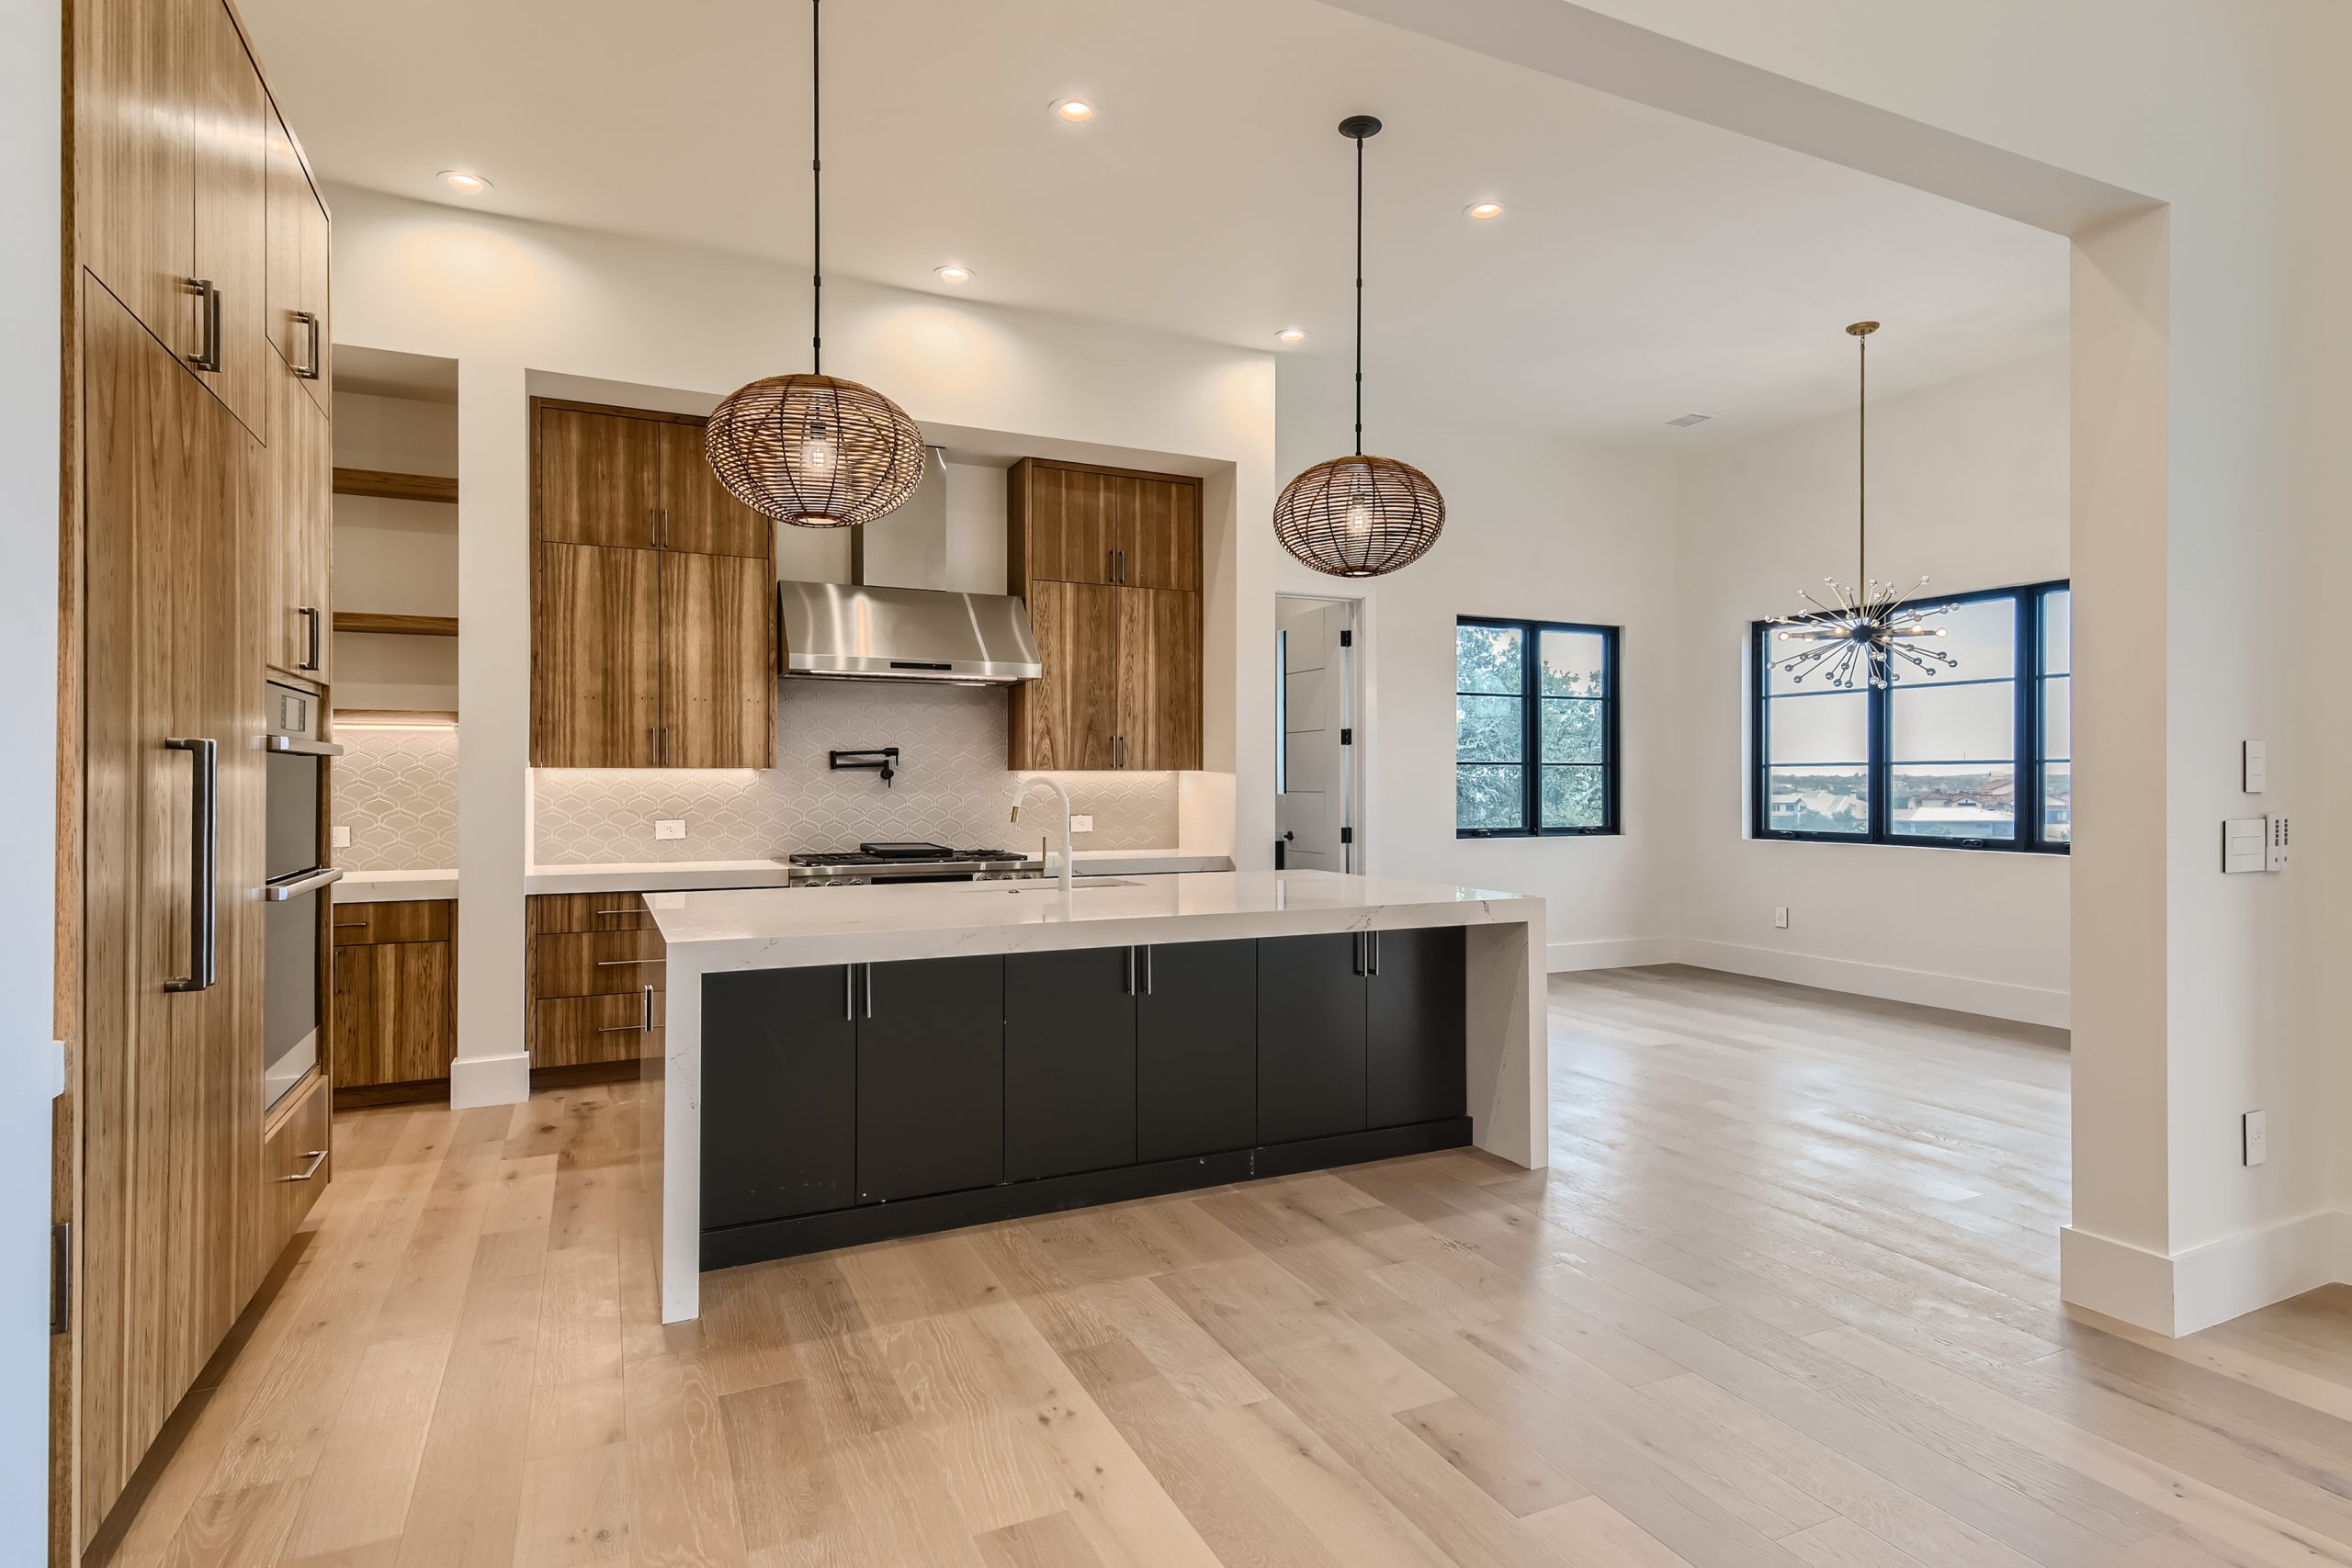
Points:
(295, 314)
(1069, 1061)
(169, 151)
(395, 994)
(594, 977)
(1196, 1049)
(929, 1077)
(299, 504)
(1109, 562)
(653, 596)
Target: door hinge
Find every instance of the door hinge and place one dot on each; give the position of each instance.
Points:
(1347, 835)
(1346, 737)
(61, 1278)
(1347, 639)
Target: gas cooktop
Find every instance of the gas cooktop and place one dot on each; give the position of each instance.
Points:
(902, 863)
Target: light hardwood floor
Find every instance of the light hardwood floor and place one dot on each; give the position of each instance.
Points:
(1786, 1297)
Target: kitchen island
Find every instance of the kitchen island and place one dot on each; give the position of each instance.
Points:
(830, 1066)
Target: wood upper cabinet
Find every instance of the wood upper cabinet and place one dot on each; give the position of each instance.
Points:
(1067, 717)
(295, 315)
(653, 637)
(1061, 524)
(595, 656)
(1160, 679)
(698, 513)
(599, 479)
(718, 663)
(1157, 531)
(298, 503)
(169, 172)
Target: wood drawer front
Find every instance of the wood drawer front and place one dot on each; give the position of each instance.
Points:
(423, 919)
(570, 1030)
(588, 912)
(594, 963)
(293, 1175)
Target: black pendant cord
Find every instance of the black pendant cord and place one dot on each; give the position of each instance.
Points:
(1863, 463)
(1359, 295)
(816, 185)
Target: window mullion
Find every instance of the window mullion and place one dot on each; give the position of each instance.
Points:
(1531, 780)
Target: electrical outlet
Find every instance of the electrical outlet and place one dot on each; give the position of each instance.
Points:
(1780, 917)
(669, 827)
(2254, 1134)
(1081, 824)
(339, 838)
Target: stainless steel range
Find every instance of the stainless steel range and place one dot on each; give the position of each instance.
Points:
(909, 862)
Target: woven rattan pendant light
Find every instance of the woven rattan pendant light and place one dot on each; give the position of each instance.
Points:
(815, 450)
(1359, 517)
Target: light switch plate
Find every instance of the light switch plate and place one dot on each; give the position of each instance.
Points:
(2254, 1132)
(1780, 917)
(339, 838)
(2255, 767)
(1081, 824)
(669, 827)
(2243, 840)
(2275, 856)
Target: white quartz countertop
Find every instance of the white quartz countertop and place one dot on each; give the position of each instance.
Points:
(779, 928)
(395, 886)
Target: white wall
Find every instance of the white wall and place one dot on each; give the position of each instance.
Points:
(31, 115)
(396, 558)
(1968, 485)
(2206, 516)
(1535, 527)
(506, 300)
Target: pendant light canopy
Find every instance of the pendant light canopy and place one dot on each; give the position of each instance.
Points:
(1359, 517)
(814, 450)
(1876, 634)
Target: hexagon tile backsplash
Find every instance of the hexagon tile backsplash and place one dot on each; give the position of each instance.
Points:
(952, 787)
(396, 791)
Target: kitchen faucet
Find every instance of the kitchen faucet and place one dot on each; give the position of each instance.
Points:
(1031, 783)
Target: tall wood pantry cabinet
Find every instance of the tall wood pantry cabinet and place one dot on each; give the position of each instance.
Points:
(1109, 562)
(196, 517)
(652, 598)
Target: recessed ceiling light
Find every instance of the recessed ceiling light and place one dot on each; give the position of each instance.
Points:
(951, 273)
(1291, 335)
(1484, 212)
(1073, 111)
(463, 183)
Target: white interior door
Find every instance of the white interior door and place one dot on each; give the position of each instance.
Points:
(1313, 813)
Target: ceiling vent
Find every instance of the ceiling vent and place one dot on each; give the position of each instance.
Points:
(1688, 420)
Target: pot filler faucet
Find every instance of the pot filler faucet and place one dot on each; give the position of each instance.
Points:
(1028, 787)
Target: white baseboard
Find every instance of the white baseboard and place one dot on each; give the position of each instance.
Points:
(2205, 1285)
(490, 1080)
(1620, 953)
(1989, 999)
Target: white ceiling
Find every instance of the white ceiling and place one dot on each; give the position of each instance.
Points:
(1648, 266)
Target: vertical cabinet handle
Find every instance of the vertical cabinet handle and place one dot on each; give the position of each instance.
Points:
(869, 990)
(203, 863)
(1131, 970)
(313, 619)
(649, 1010)
(1372, 940)
(206, 358)
(309, 321)
(849, 992)
(1147, 971)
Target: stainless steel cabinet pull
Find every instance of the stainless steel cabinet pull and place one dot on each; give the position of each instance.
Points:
(602, 913)
(308, 368)
(621, 1028)
(203, 865)
(208, 299)
(624, 963)
(849, 992)
(649, 1010)
(1373, 940)
(317, 1159)
(869, 990)
(310, 615)
(1131, 970)
(1147, 971)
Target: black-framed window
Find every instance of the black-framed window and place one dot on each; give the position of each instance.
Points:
(1535, 729)
(1977, 757)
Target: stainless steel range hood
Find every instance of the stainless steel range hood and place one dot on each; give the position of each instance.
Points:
(844, 632)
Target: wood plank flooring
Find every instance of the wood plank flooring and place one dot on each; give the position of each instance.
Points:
(1786, 1298)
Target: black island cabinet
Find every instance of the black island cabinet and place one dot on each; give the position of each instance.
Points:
(853, 1104)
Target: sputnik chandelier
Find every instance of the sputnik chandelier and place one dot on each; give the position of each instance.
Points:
(1875, 633)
